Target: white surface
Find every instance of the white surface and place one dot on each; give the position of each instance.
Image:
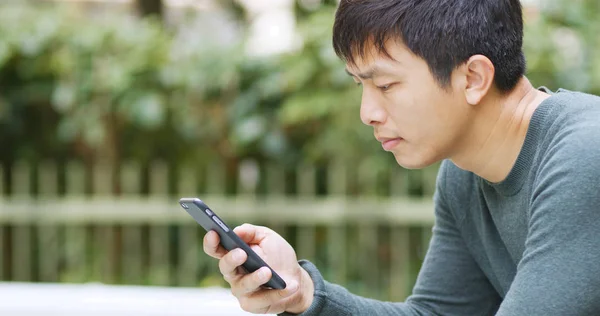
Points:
(97, 299)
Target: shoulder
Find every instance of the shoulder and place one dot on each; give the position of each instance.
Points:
(572, 127)
(569, 148)
(569, 111)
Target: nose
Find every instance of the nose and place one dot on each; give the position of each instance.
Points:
(371, 113)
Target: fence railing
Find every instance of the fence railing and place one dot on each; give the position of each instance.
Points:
(366, 230)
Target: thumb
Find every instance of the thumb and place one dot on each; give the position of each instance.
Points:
(271, 297)
(291, 288)
(250, 234)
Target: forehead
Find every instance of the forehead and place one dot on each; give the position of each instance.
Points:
(394, 54)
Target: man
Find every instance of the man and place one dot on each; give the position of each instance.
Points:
(517, 204)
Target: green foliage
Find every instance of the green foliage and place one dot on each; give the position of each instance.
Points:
(76, 85)
(561, 43)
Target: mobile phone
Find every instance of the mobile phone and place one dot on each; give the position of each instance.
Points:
(208, 219)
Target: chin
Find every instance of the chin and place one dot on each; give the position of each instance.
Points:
(412, 162)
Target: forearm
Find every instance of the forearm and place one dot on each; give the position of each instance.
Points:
(331, 299)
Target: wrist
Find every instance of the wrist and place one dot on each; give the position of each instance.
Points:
(305, 294)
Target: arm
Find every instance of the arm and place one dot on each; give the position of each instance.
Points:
(559, 273)
(449, 283)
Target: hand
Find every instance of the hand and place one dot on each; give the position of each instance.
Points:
(279, 255)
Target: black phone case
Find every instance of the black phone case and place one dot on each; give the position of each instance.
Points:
(207, 218)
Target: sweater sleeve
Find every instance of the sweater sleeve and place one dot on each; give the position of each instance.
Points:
(449, 283)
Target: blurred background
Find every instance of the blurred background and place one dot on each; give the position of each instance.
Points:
(110, 111)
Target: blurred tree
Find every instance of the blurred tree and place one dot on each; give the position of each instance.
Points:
(122, 88)
(150, 7)
(561, 43)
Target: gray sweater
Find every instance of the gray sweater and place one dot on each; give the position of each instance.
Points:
(529, 245)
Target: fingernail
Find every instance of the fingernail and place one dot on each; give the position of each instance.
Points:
(262, 274)
(237, 255)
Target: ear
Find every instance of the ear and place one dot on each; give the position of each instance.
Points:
(479, 72)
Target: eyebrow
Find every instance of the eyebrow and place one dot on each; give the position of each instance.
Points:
(375, 71)
(364, 75)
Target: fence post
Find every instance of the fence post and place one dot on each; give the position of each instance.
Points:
(3, 251)
(48, 232)
(336, 238)
(275, 175)
(21, 232)
(215, 178)
(159, 179)
(400, 264)
(187, 268)
(104, 265)
(248, 176)
(368, 260)
(104, 256)
(337, 179)
(429, 179)
(158, 272)
(130, 179)
(103, 184)
(75, 178)
(367, 178)
(131, 233)
(75, 234)
(307, 181)
(187, 180)
(2, 187)
(306, 234)
(399, 182)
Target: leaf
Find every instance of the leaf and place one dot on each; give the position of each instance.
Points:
(5, 53)
(146, 110)
(305, 106)
(249, 130)
(64, 96)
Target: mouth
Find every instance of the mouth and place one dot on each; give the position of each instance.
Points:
(390, 143)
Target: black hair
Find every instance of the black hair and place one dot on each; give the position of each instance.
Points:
(445, 33)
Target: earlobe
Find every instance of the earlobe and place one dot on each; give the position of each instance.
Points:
(480, 76)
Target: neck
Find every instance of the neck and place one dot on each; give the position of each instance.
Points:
(493, 142)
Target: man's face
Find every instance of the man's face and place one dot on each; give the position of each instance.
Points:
(414, 118)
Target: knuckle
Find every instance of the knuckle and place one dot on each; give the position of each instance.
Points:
(228, 279)
(207, 250)
(223, 265)
(280, 294)
(205, 244)
(228, 259)
(248, 285)
(258, 276)
(235, 291)
(243, 226)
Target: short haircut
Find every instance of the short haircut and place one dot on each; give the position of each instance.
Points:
(444, 33)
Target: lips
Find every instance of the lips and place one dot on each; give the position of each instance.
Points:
(389, 143)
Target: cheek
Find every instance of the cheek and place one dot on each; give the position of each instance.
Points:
(434, 116)
(420, 111)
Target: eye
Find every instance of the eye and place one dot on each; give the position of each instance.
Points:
(386, 87)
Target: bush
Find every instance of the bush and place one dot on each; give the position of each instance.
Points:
(120, 87)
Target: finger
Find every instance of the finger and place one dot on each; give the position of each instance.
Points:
(259, 251)
(250, 234)
(211, 245)
(264, 300)
(251, 282)
(228, 265)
